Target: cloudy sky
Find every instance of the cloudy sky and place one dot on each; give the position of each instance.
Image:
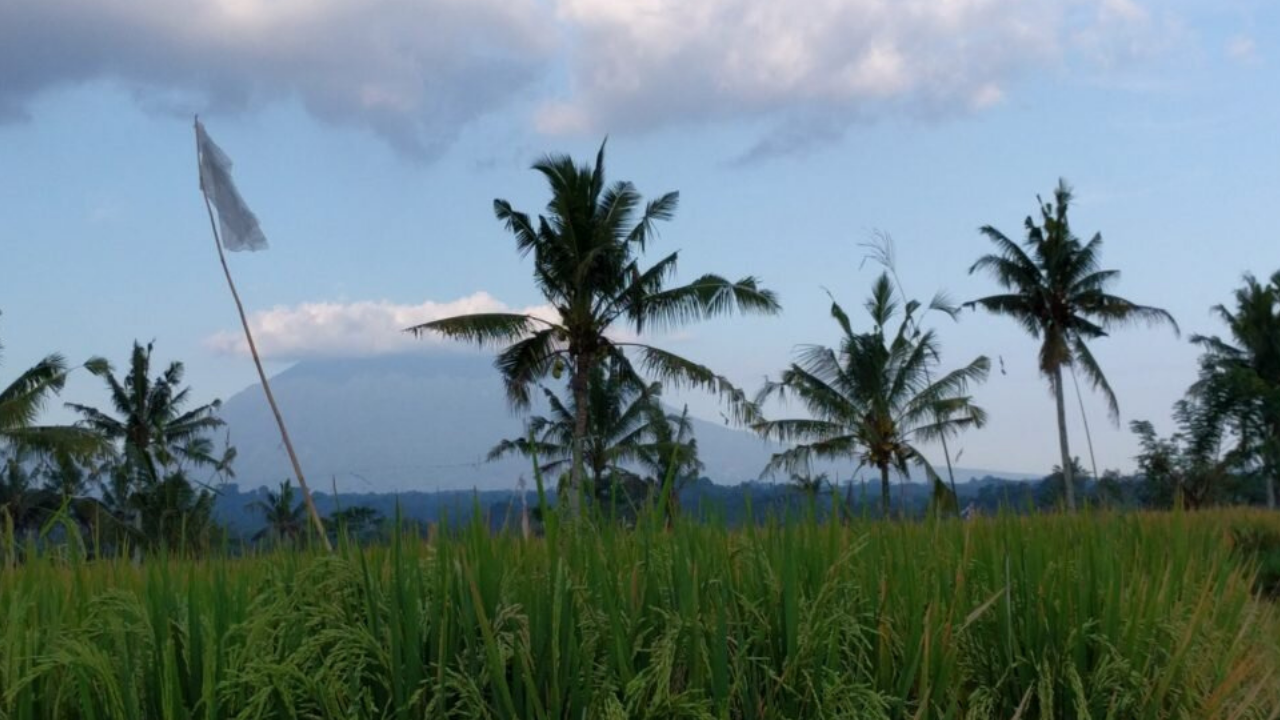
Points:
(371, 137)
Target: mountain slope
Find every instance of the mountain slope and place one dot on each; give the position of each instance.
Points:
(417, 422)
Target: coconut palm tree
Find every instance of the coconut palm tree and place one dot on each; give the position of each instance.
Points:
(586, 254)
(285, 518)
(1240, 377)
(1057, 292)
(156, 438)
(875, 397)
(627, 430)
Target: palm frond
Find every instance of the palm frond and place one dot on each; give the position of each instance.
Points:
(707, 297)
(798, 429)
(526, 361)
(800, 457)
(1025, 310)
(483, 329)
(23, 399)
(1093, 373)
(675, 371)
(660, 209)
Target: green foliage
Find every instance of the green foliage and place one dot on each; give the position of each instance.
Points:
(874, 398)
(1057, 292)
(1239, 385)
(627, 427)
(285, 519)
(1186, 468)
(157, 442)
(587, 251)
(360, 522)
(21, 402)
(1133, 616)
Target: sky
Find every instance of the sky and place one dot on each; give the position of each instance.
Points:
(371, 139)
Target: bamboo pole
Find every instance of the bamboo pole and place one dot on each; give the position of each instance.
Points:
(262, 375)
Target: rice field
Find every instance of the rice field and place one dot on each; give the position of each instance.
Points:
(1090, 616)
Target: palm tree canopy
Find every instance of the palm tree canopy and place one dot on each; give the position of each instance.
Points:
(1254, 326)
(1058, 292)
(284, 517)
(150, 422)
(1240, 377)
(875, 396)
(586, 252)
(626, 427)
(21, 403)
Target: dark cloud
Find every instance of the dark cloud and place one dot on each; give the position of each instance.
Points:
(414, 71)
(418, 71)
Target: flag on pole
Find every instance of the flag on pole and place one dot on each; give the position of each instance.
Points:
(240, 229)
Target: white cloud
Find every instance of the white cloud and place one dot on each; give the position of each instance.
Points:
(419, 71)
(357, 329)
(642, 64)
(1242, 49)
(415, 71)
(1121, 33)
(376, 327)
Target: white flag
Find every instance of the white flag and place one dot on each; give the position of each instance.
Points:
(239, 225)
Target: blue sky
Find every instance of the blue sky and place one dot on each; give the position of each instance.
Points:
(371, 139)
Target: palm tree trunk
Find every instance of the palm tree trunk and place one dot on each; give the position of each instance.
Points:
(1271, 462)
(579, 385)
(951, 474)
(1068, 478)
(885, 499)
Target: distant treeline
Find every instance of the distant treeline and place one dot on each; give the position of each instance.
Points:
(234, 508)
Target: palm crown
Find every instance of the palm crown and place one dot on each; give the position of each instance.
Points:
(875, 396)
(586, 254)
(627, 427)
(151, 426)
(1057, 291)
(285, 518)
(1240, 379)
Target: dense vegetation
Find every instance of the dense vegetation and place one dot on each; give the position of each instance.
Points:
(1127, 616)
(121, 597)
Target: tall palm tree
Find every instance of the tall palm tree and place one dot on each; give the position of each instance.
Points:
(627, 428)
(1240, 378)
(875, 397)
(156, 438)
(285, 518)
(586, 251)
(1057, 292)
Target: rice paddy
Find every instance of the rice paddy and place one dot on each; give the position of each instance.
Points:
(1094, 615)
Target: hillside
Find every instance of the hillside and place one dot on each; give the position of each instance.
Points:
(418, 422)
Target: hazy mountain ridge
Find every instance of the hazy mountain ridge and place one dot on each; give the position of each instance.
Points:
(421, 423)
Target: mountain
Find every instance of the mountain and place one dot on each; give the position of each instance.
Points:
(418, 422)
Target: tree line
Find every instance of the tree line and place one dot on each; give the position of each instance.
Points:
(878, 394)
(142, 470)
